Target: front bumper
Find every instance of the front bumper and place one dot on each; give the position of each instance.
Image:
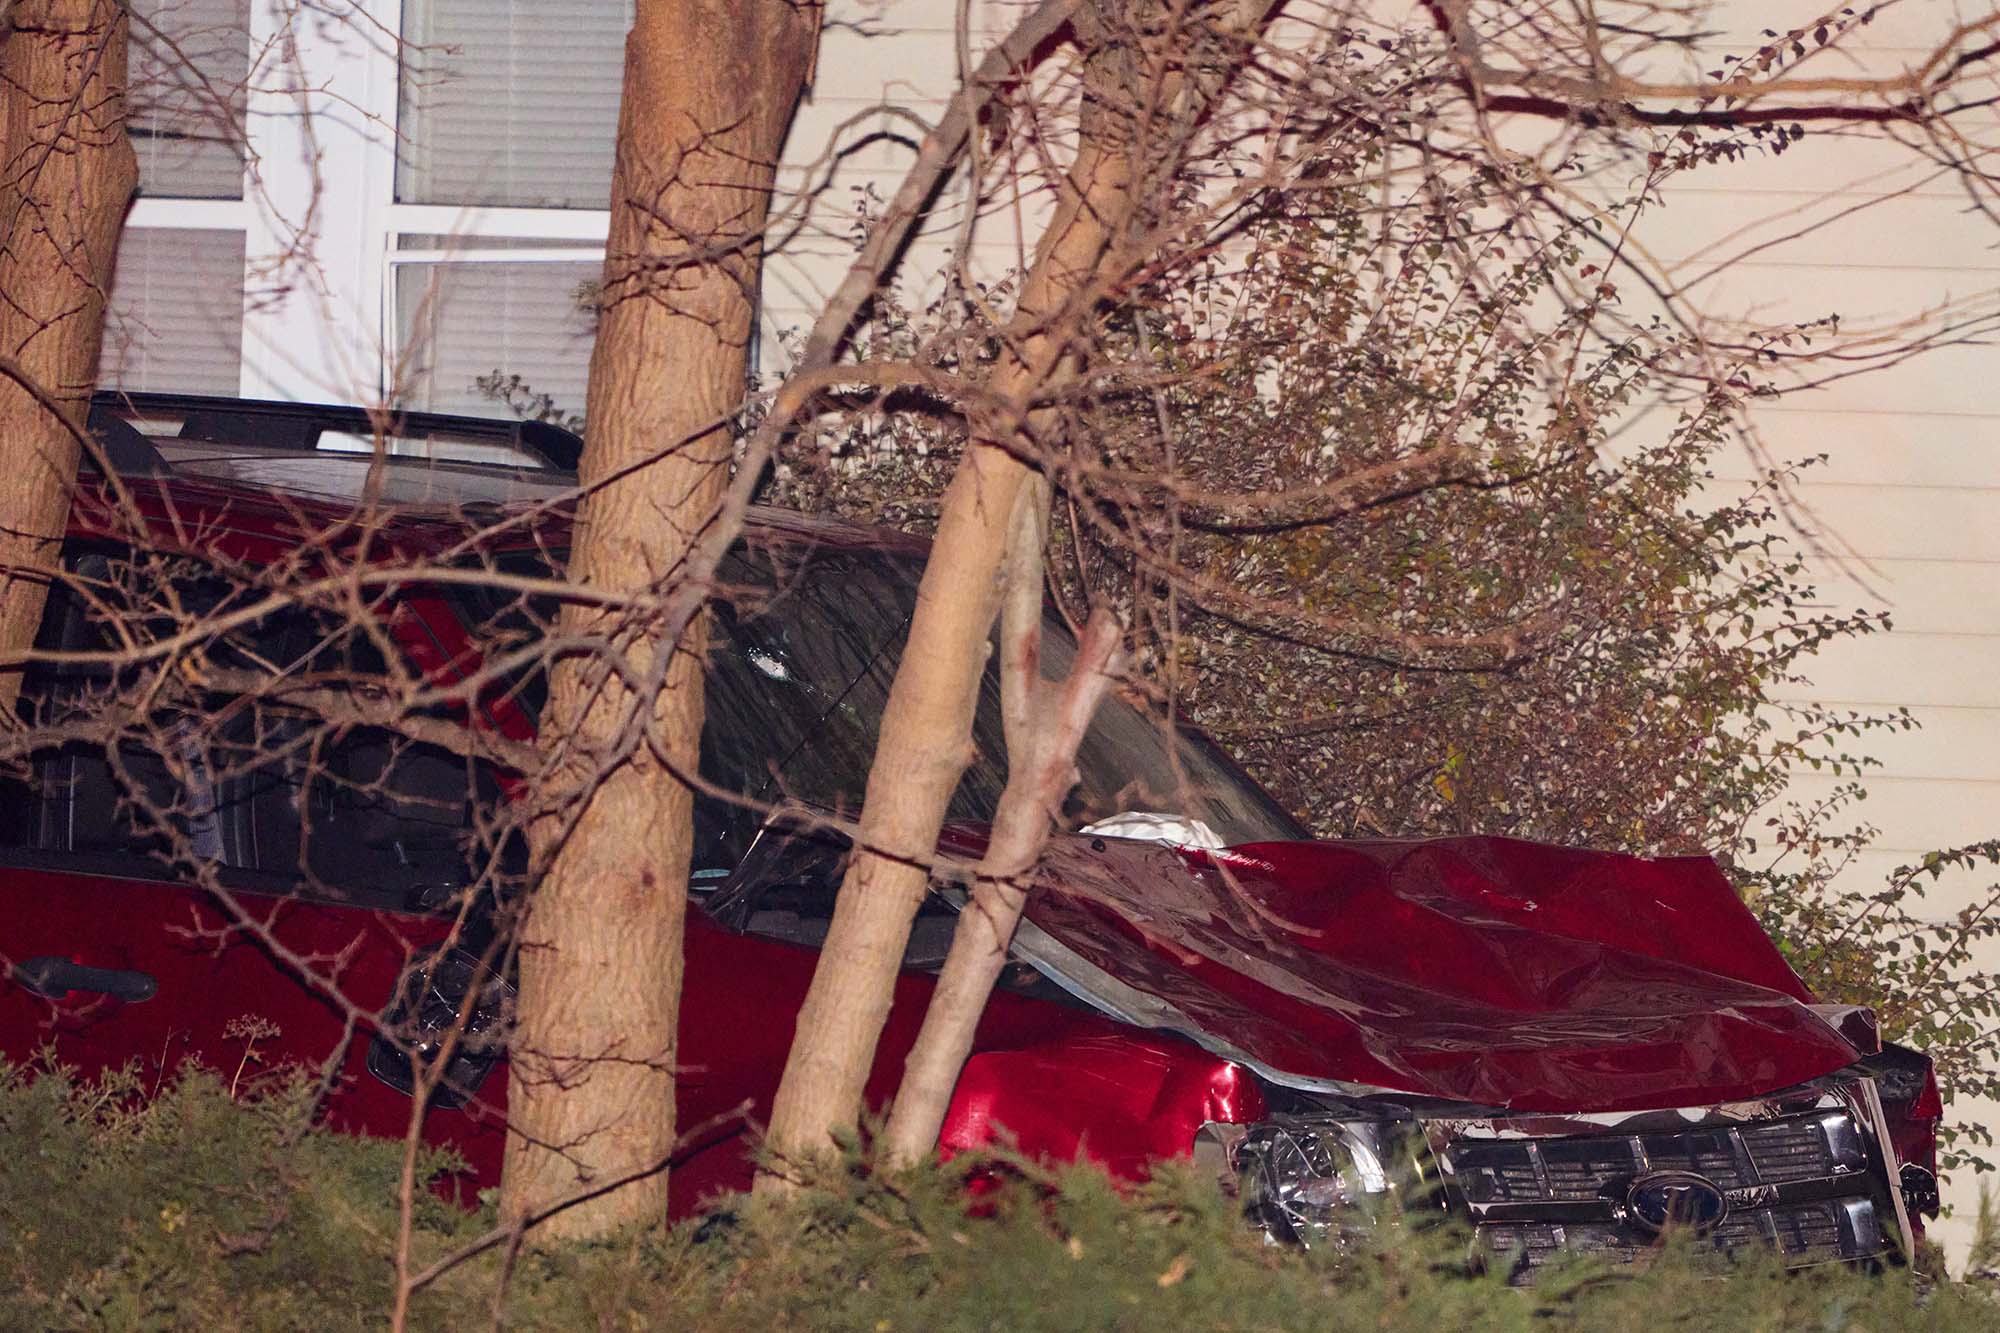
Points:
(1809, 1173)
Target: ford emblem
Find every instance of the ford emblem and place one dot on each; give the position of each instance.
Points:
(1676, 1199)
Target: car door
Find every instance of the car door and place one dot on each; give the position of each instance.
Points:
(173, 890)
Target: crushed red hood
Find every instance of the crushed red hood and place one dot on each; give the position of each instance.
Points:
(1485, 970)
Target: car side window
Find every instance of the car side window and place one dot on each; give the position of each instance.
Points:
(81, 793)
(235, 782)
(802, 652)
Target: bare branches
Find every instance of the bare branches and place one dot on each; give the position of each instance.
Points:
(1318, 387)
(1766, 87)
(937, 157)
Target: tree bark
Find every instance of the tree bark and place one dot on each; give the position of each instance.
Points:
(1044, 725)
(926, 735)
(67, 172)
(710, 86)
(1150, 71)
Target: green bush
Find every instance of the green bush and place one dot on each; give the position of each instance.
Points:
(194, 1210)
(191, 1208)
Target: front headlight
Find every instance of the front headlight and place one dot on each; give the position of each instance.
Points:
(1316, 1180)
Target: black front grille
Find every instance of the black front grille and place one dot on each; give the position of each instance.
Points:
(1791, 1150)
(1578, 1168)
(1801, 1232)
(1800, 1184)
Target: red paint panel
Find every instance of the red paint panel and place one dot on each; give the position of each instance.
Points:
(1057, 1080)
(227, 998)
(1130, 1098)
(1122, 1098)
(1480, 969)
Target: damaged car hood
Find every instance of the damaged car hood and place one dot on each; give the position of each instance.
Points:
(1483, 970)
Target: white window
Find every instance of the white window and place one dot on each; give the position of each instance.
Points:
(473, 313)
(190, 60)
(175, 321)
(175, 317)
(508, 112)
(409, 230)
(510, 102)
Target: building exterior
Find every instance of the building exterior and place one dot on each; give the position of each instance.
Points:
(388, 199)
(321, 219)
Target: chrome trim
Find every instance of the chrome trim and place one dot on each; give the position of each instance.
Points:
(1851, 1182)
(1859, 1225)
(1892, 1171)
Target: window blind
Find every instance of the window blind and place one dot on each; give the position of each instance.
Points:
(175, 319)
(190, 60)
(461, 321)
(510, 102)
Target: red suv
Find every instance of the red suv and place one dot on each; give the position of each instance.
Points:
(1569, 1049)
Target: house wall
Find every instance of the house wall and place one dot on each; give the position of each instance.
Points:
(1905, 513)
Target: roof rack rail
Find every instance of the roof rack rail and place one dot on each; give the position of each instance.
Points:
(272, 425)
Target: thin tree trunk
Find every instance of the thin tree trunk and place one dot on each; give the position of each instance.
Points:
(709, 89)
(1045, 723)
(67, 172)
(925, 740)
(1150, 72)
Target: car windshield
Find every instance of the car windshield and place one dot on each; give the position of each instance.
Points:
(805, 649)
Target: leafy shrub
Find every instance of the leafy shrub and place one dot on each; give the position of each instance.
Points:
(196, 1211)
(190, 1209)
(1576, 635)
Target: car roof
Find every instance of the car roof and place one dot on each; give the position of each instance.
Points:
(253, 476)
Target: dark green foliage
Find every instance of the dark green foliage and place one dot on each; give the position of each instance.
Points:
(191, 1209)
(197, 1211)
(1883, 945)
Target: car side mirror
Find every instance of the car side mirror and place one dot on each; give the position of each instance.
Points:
(792, 847)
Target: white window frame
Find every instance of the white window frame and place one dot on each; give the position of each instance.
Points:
(586, 229)
(335, 336)
(153, 212)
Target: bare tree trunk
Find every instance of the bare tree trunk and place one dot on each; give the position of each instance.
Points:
(67, 172)
(1045, 724)
(1150, 70)
(710, 86)
(925, 740)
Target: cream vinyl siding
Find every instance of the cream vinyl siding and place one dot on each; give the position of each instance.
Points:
(1905, 514)
(912, 62)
